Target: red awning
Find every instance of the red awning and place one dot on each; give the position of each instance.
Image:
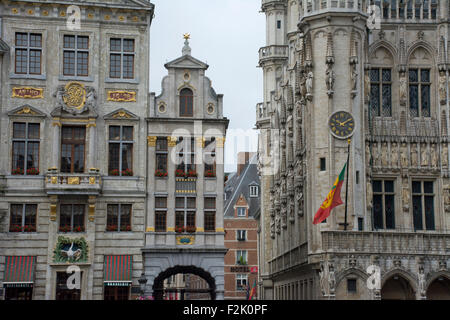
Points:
(118, 270)
(19, 270)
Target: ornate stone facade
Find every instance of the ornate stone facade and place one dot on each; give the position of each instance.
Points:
(398, 150)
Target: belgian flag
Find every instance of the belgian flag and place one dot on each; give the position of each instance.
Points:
(333, 199)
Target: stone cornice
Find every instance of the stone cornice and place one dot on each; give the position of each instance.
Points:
(140, 5)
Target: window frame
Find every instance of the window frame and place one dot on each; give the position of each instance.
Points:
(188, 154)
(185, 211)
(122, 53)
(422, 194)
(239, 215)
(160, 153)
(119, 215)
(26, 140)
(380, 83)
(241, 235)
(244, 254)
(72, 217)
(420, 84)
(383, 193)
(75, 50)
(72, 142)
(160, 210)
(183, 110)
(210, 154)
(252, 192)
(120, 142)
(23, 217)
(240, 286)
(28, 50)
(111, 293)
(210, 212)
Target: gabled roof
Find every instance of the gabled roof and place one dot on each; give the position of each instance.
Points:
(238, 185)
(186, 62)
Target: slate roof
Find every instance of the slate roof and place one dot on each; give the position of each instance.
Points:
(237, 185)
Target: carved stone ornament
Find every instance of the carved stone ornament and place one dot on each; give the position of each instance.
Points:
(309, 85)
(75, 98)
(422, 282)
(442, 88)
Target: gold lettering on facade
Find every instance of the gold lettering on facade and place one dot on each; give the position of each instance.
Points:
(121, 96)
(27, 93)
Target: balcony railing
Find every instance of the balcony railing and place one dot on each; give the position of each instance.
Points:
(262, 111)
(386, 242)
(273, 52)
(73, 183)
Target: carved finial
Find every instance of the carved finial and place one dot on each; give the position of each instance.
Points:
(187, 36)
(186, 48)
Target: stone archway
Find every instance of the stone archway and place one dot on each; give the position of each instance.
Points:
(439, 288)
(158, 289)
(397, 287)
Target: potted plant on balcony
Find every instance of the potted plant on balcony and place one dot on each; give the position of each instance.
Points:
(125, 228)
(17, 171)
(127, 172)
(179, 229)
(15, 228)
(191, 229)
(180, 173)
(111, 227)
(33, 171)
(114, 172)
(65, 228)
(191, 173)
(160, 173)
(210, 174)
(78, 229)
(29, 228)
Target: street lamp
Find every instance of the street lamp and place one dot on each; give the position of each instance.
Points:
(142, 282)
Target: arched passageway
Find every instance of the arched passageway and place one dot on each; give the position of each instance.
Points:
(397, 288)
(439, 289)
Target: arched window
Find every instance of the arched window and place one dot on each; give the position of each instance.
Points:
(186, 103)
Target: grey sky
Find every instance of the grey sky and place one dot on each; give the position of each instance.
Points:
(227, 35)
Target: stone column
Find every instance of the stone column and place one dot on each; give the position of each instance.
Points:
(151, 144)
(91, 155)
(200, 168)
(172, 142)
(56, 144)
(220, 143)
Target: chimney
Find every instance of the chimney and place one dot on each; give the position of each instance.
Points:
(242, 160)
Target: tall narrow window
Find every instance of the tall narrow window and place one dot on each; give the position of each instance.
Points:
(76, 56)
(161, 157)
(383, 204)
(185, 212)
(186, 103)
(419, 92)
(121, 60)
(160, 214)
(73, 149)
(241, 235)
(210, 214)
(118, 217)
(241, 211)
(210, 157)
(71, 218)
(25, 148)
(120, 151)
(23, 218)
(241, 282)
(28, 53)
(241, 257)
(254, 191)
(423, 205)
(62, 291)
(381, 92)
(186, 155)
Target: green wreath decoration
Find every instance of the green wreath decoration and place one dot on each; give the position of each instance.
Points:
(64, 241)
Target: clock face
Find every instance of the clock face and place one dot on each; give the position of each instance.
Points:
(342, 124)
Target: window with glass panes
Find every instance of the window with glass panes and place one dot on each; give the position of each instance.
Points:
(160, 214)
(118, 217)
(381, 92)
(423, 205)
(419, 92)
(76, 55)
(62, 292)
(23, 218)
(210, 214)
(25, 148)
(241, 235)
(209, 157)
(28, 49)
(185, 208)
(241, 257)
(241, 211)
(186, 103)
(73, 141)
(120, 150)
(383, 204)
(241, 282)
(254, 191)
(121, 59)
(117, 293)
(186, 154)
(71, 218)
(161, 154)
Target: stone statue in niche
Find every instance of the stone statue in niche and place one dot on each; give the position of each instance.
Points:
(283, 138)
(329, 79)
(442, 88)
(367, 86)
(303, 87)
(331, 279)
(369, 194)
(404, 155)
(323, 279)
(403, 88)
(434, 156)
(445, 155)
(424, 155)
(91, 98)
(367, 154)
(422, 282)
(354, 77)
(384, 155)
(376, 155)
(290, 125)
(309, 84)
(405, 195)
(394, 155)
(414, 155)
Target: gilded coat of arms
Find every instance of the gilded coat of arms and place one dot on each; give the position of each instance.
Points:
(75, 98)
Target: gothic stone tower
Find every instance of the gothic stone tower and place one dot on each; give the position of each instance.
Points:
(321, 59)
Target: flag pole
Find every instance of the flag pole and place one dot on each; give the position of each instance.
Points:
(346, 185)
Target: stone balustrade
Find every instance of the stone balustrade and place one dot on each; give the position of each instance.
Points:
(76, 183)
(386, 242)
(273, 52)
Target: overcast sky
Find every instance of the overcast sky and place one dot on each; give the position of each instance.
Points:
(227, 35)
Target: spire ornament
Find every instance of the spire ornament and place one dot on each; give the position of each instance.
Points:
(186, 48)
